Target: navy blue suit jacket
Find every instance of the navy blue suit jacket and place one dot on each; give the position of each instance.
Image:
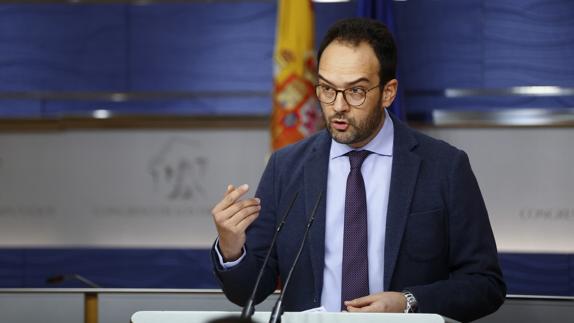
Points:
(439, 243)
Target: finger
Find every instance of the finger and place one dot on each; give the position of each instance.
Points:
(231, 197)
(352, 309)
(360, 309)
(239, 216)
(246, 222)
(361, 301)
(233, 211)
(230, 188)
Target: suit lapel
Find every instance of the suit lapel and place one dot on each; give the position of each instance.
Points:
(403, 179)
(315, 182)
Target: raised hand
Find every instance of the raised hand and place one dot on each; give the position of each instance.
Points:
(232, 216)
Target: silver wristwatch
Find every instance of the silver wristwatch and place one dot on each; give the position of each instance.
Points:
(412, 304)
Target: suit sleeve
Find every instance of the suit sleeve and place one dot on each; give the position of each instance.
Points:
(237, 282)
(475, 286)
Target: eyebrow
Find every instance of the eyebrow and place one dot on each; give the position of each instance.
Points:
(359, 80)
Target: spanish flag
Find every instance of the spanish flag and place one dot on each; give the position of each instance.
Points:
(296, 112)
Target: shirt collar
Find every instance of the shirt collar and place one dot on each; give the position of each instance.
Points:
(381, 144)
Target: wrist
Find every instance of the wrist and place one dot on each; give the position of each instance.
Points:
(228, 254)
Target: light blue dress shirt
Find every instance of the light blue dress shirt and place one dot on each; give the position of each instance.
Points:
(376, 170)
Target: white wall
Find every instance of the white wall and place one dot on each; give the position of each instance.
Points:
(121, 188)
(137, 188)
(527, 179)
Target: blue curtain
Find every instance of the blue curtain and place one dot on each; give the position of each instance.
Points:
(382, 10)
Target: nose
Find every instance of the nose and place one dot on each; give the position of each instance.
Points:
(340, 104)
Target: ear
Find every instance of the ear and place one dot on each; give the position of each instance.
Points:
(390, 92)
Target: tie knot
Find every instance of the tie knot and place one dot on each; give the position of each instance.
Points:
(357, 157)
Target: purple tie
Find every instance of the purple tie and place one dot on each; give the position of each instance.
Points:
(355, 278)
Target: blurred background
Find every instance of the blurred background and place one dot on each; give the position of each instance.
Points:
(122, 122)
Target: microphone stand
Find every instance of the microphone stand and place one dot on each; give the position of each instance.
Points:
(249, 307)
(61, 278)
(278, 307)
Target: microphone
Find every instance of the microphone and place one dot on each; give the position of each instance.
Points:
(57, 279)
(278, 307)
(249, 308)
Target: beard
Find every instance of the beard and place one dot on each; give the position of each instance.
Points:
(357, 130)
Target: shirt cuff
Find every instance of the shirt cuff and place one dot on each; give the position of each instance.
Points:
(229, 264)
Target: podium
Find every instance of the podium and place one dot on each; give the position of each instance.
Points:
(289, 317)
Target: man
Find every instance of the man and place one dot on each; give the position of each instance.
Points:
(402, 227)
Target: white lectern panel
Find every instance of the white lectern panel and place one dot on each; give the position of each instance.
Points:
(312, 317)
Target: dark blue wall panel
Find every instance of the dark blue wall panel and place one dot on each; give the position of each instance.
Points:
(170, 47)
(528, 42)
(538, 274)
(426, 103)
(440, 43)
(62, 47)
(12, 268)
(227, 47)
(202, 46)
(240, 105)
(109, 268)
(21, 108)
(524, 273)
(484, 44)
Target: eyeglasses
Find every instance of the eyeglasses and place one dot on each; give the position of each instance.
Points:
(354, 96)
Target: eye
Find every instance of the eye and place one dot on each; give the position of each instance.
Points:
(325, 88)
(356, 90)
